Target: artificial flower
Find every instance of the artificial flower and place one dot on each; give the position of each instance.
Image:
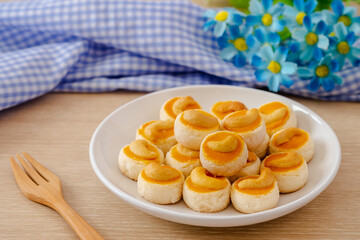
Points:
(273, 68)
(346, 15)
(265, 14)
(312, 39)
(321, 74)
(234, 46)
(294, 16)
(221, 20)
(342, 46)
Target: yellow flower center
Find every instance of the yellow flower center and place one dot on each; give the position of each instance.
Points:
(266, 19)
(240, 44)
(345, 19)
(221, 16)
(343, 47)
(322, 71)
(311, 38)
(274, 67)
(300, 18)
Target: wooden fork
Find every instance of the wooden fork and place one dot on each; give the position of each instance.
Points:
(42, 186)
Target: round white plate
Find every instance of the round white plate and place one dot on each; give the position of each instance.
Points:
(118, 129)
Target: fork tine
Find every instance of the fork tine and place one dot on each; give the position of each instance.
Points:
(36, 177)
(24, 181)
(40, 168)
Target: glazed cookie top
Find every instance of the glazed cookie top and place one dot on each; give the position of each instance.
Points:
(160, 174)
(222, 147)
(201, 180)
(176, 105)
(290, 138)
(275, 114)
(242, 121)
(256, 184)
(222, 109)
(199, 120)
(283, 162)
(184, 154)
(142, 150)
(158, 130)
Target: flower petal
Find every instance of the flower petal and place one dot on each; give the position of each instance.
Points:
(274, 83)
(274, 38)
(340, 61)
(209, 24)
(314, 84)
(228, 53)
(239, 60)
(304, 73)
(307, 23)
(260, 34)
(323, 42)
(307, 54)
(299, 34)
(209, 13)
(267, 4)
(350, 38)
(355, 52)
(281, 53)
(310, 6)
(263, 75)
(288, 68)
(334, 65)
(276, 10)
(252, 20)
(320, 27)
(299, 4)
(328, 83)
(223, 42)
(256, 8)
(317, 54)
(338, 7)
(251, 41)
(219, 29)
(286, 81)
(234, 31)
(338, 80)
(340, 31)
(237, 19)
(267, 52)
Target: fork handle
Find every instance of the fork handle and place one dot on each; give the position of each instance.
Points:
(76, 222)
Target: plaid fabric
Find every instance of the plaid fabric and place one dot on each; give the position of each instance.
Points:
(104, 45)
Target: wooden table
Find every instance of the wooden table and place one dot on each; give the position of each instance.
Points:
(56, 130)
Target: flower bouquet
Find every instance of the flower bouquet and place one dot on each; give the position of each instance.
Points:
(281, 40)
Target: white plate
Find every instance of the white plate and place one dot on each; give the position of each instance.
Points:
(118, 129)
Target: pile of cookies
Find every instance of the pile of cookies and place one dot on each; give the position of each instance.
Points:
(232, 153)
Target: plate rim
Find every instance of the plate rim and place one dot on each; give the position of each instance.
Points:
(208, 218)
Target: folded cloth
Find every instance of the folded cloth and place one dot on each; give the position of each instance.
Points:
(105, 45)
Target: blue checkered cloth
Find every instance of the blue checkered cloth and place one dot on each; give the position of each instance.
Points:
(105, 45)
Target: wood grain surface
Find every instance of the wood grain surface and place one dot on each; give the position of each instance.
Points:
(56, 129)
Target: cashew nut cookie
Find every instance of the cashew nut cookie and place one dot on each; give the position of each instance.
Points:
(160, 133)
(222, 109)
(251, 127)
(183, 159)
(293, 139)
(255, 193)
(174, 106)
(289, 168)
(223, 153)
(277, 116)
(204, 192)
(160, 184)
(134, 157)
(192, 126)
(252, 167)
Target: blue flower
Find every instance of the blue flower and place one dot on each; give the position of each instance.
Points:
(312, 39)
(294, 16)
(342, 45)
(321, 74)
(346, 15)
(235, 47)
(222, 19)
(273, 68)
(261, 37)
(265, 14)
